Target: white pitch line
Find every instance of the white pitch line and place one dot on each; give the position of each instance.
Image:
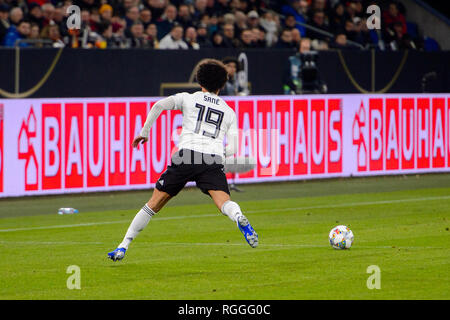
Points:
(340, 205)
(215, 244)
(278, 245)
(64, 226)
(355, 204)
(49, 242)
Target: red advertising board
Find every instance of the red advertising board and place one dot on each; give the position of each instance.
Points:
(50, 146)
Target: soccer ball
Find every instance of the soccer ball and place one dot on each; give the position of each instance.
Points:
(341, 237)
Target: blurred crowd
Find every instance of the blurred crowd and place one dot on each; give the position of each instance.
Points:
(197, 24)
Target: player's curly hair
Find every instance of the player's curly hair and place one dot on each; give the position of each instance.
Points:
(212, 75)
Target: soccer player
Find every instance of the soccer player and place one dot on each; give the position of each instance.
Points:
(207, 120)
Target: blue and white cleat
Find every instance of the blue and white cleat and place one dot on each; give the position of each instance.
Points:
(117, 254)
(247, 230)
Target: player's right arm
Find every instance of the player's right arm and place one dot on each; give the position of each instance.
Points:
(168, 103)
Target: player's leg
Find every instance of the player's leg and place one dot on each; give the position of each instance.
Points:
(231, 209)
(140, 221)
(169, 184)
(143, 217)
(219, 198)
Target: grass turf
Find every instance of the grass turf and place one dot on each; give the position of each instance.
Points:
(190, 251)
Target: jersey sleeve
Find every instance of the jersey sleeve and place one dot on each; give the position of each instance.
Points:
(232, 137)
(164, 104)
(179, 99)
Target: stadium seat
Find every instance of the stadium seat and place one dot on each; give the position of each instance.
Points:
(412, 29)
(430, 44)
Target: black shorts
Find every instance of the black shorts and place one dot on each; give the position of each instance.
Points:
(188, 165)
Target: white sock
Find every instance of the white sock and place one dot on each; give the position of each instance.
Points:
(139, 222)
(232, 210)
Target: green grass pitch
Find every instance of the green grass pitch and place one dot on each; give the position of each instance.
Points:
(191, 251)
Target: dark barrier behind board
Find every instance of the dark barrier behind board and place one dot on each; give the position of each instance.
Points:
(113, 73)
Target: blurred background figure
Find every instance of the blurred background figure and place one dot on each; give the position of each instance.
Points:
(232, 87)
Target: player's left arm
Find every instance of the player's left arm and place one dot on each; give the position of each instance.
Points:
(232, 138)
(168, 103)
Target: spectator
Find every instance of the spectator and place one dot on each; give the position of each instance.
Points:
(86, 4)
(15, 16)
(202, 36)
(340, 41)
(48, 11)
(58, 16)
(296, 8)
(359, 10)
(85, 19)
(152, 35)
(222, 7)
(337, 18)
(94, 19)
(118, 25)
(4, 21)
(123, 6)
(107, 38)
(190, 38)
(270, 26)
(106, 12)
(253, 19)
(138, 38)
(229, 18)
(243, 6)
(35, 14)
(21, 32)
(319, 5)
(392, 15)
(305, 45)
(157, 7)
(51, 32)
(145, 17)
(167, 21)
(34, 31)
(254, 4)
(39, 2)
(199, 9)
(213, 24)
(241, 22)
(350, 10)
(235, 5)
(353, 32)
(296, 37)
(132, 16)
(318, 45)
(231, 87)
(229, 39)
(318, 22)
(211, 7)
(174, 39)
(259, 37)
(184, 16)
(285, 41)
(290, 22)
(217, 40)
(397, 39)
(247, 39)
(373, 37)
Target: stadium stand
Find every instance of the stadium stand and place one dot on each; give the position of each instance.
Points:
(197, 24)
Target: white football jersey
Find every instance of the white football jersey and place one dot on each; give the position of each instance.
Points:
(206, 121)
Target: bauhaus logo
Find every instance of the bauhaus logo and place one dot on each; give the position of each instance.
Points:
(401, 133)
